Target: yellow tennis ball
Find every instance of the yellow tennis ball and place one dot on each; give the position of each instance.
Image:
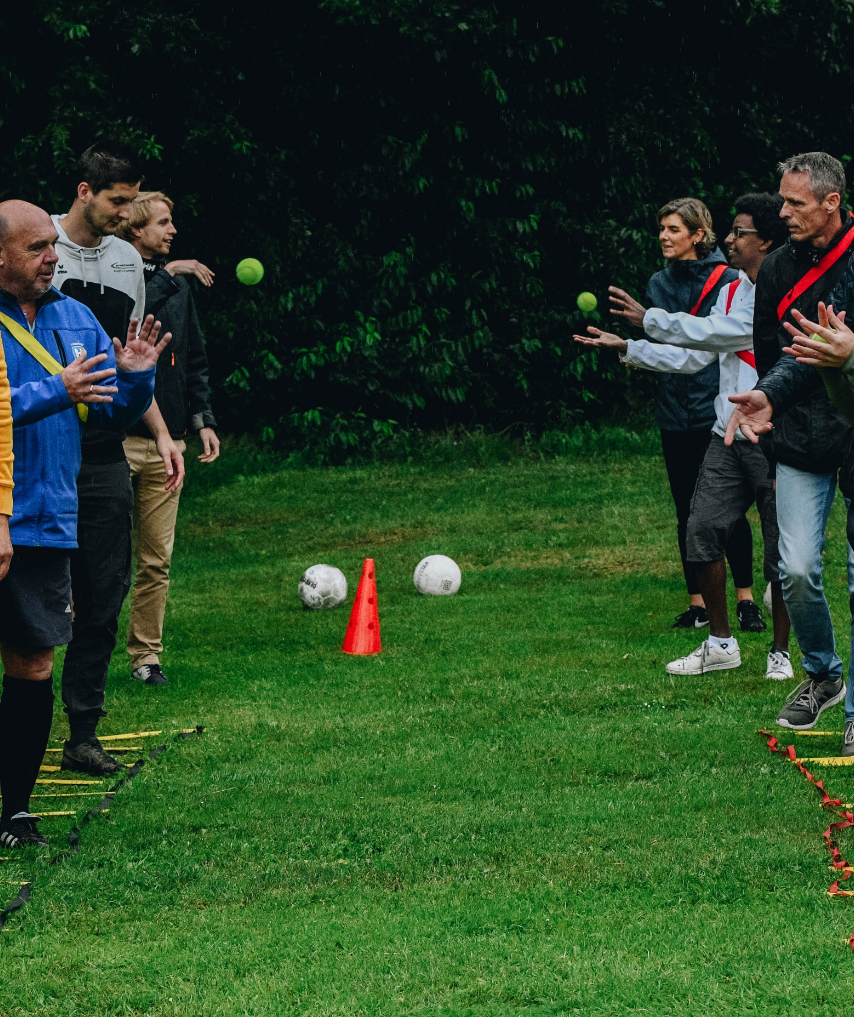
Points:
(817, 338)
(250, 271)
(586, 302)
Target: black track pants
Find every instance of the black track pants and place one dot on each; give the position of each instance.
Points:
(100, 581)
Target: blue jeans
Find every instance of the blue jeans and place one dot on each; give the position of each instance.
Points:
(804, 501)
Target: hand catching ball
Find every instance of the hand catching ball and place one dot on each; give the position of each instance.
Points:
(586, 302)
(250, 271)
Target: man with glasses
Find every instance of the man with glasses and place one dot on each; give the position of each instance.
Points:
(733, 477)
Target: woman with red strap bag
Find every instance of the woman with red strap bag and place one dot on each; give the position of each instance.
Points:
(685, 403)
(733, 477)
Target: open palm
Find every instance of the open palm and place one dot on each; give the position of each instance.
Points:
(140, 352)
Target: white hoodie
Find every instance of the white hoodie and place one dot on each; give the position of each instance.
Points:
(108, 279)
(700, 342)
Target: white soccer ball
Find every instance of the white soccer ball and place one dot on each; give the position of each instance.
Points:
(322, 587)
(437, 574)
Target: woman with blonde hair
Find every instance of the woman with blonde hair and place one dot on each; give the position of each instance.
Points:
(685, 403)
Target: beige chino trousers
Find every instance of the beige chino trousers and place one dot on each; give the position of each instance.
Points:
(154, 513)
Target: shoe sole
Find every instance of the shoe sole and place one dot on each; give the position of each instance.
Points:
(808, 727)
(779, 677)
(703, 670)
(91, 773)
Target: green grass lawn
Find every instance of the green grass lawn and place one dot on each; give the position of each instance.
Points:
(512, 807)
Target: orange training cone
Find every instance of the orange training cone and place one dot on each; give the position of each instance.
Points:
(363, 631)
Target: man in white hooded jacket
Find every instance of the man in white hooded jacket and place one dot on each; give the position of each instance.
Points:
(106, 274)
(732, 477)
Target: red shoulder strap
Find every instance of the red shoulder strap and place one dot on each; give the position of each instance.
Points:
(711, 282)
(744, 355)
(815, 273)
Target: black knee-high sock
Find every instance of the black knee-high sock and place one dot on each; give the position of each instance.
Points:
(26, 712)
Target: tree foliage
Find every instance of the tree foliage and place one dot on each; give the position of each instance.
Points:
(429, 185)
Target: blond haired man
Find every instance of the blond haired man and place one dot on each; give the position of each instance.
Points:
(183, 396)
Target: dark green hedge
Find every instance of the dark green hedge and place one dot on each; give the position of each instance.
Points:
(429, 185)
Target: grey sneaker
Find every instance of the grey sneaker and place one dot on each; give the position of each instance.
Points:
(150, 674)
(809, 701)
(848, 739)
(89, 757)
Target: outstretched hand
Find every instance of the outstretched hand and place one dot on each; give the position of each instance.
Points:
(826, 344)
(604, 339)
(140, 352)
(625, 306)
(752, 415)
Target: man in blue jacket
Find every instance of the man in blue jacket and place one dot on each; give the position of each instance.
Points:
(62, 368)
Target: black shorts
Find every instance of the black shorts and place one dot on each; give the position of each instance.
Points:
(731, 479)
(35, 599)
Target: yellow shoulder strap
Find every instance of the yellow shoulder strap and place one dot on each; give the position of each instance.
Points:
(35, 349)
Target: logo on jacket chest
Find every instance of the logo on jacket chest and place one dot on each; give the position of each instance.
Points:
(77, 349)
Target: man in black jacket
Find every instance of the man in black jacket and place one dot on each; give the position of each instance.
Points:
(810, 439)
(183, 396)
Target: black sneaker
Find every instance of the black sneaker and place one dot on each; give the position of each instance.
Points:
(89, 757)
(150, 674)
(749, 617)
(694, 618)
(21, 831)
(809, 701)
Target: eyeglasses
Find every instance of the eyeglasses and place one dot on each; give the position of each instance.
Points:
(740, 231)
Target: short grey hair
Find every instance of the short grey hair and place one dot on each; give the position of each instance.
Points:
(826, 173)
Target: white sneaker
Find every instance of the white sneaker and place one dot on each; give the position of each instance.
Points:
(779, 667)
(707, 658)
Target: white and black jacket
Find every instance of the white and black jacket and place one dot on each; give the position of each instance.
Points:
(110, 281)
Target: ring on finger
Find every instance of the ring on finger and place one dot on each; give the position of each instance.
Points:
(91, 385)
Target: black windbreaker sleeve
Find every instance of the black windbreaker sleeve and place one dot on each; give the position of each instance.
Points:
(198, 382)
(158, 289)
(788, 382)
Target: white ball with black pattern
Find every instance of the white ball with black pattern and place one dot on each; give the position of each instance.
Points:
(437, 575)
(322, 587)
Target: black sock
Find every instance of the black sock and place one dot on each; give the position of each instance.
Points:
(26, 713)
(82, 727)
